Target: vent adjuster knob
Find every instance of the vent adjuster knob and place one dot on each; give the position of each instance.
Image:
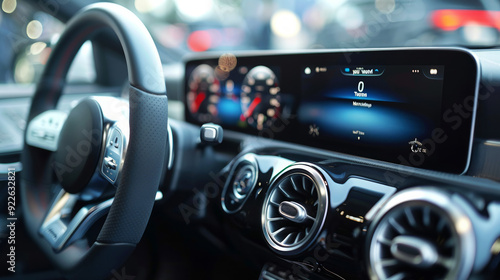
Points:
(293, 211)
(414, 251)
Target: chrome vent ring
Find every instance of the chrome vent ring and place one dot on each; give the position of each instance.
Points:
(295, 209)
(421, 233)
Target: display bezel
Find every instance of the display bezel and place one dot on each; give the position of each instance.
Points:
(460, 90)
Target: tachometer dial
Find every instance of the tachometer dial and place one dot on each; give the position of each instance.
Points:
(260, 99)
(203, 93)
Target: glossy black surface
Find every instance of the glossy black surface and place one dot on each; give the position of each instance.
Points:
(355, 188)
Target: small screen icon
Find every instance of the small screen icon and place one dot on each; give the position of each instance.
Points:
(417, 146)
(313, 130)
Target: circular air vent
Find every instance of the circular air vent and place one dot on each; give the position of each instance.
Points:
(294, 209)
(421, 234)
(242, 180)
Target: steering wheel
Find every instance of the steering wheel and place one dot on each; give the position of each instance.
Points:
(70, 161)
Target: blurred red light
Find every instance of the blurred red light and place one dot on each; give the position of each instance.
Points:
(449, 20)
(199, 41)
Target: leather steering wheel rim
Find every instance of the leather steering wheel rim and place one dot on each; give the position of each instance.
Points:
(141, 172)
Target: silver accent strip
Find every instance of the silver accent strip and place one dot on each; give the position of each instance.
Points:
(493, 143)
(170, 163)
(474, 110)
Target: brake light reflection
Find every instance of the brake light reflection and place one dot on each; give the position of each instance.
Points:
(199, 41)
(450, 20)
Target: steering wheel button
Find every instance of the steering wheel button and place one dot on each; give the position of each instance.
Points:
(115, 137)
(49, 136)
(38, 133)
(54, 230)
(110, 163)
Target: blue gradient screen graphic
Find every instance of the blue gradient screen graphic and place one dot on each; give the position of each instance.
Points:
(380, 125)
(371, 111)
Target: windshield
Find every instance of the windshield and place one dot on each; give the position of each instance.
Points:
(181, 26)
(203, 25)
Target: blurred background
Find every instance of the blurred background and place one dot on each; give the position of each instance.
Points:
(28, 32)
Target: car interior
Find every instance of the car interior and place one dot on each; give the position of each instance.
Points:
(260, 140)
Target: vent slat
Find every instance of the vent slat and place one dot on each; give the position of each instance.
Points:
(411, 218)
(278, 231)
(288, 238)
(397, 276)
(384, 241)
(427, 217)
(400, 229)
(298, 237)
(388, 262)
(441, 224)
(294, 185)
(447, 263)
(284, 192)
(450, 243)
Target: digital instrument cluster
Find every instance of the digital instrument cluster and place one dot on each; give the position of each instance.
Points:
(413, 107)
(245, 97)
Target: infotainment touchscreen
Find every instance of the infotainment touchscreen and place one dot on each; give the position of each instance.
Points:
(412, 107)
(382, 111)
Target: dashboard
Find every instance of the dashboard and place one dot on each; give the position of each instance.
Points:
(370, 164)
(269, 165)
(353, 165)
(411, 107)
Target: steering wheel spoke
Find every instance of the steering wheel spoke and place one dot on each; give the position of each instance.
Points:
(44, 130)
(61, 229)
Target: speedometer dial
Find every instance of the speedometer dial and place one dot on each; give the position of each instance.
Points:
(260, 99)
(204, 93)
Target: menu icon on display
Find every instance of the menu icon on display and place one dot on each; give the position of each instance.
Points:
(313, 130)
(417, 146)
